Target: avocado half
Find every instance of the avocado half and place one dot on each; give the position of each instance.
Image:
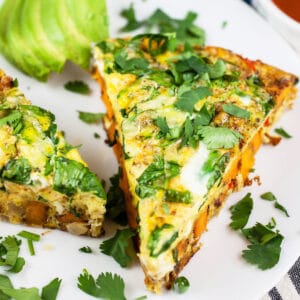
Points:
(38, 37)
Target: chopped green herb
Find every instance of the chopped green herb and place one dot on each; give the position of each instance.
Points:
(281, 207)
(217, 70)
(96, 135)
(90, 118)
(224, 24)
(185, 29)
(282, 132)
(14, 120)
(107, 285)
(240, 212)
(77, 86)
(264, 250)
(141, 298)
(118, 246)
(50, 291)
(236, 111)
(187, 100)
(219, 137)
(181, 284)
(15, 82)
(71, 176)
(7, 291)
(17, 170)
(86, 249)
(271, 197)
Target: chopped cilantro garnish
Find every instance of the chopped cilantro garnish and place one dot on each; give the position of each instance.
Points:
(269, 196)
(224, 24)
(86, 249)
(90, 118)
(185, 29)
(30, 237)
(117, 247)
(7, 291)
(236, 111)
(96, 135)
(77, 86)
(107, 285)
(240, 212)
(282, 132)
(156, 176)
(181, 284)
(17, 170)
(14, 120)
(187, 100)
(15, 82)
(264, 250)
(219, 137)
(217, 70)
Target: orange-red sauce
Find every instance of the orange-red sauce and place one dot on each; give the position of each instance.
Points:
(290, 7)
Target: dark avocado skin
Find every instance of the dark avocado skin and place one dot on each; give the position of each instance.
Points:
(38, 36)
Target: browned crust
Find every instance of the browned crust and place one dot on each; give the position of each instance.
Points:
(280, 85)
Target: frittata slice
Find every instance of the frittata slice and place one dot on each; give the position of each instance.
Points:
(43, 179)
(186, 123)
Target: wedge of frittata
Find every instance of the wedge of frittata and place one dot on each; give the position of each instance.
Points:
(43, 179)
(186, 123)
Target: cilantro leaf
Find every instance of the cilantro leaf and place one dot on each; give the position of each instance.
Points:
(112, 286)
(240, 212)
(86, 249)
(282, 132)
(264, 250)
(90, 118)
(18, 266)
(106, 286)
(129, 15)
(22, 293)
(14, 120)
(265, 256)
(77, 86)
(11, 244)
(50, 291)
(281, 207)
(17, 170)
(187, 100)
(236, 111)
(117, 247)
(161, 123)
(219, 137)
(87, 284)
(217, 70)
(269, 196)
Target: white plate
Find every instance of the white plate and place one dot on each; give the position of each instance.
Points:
(217, 271)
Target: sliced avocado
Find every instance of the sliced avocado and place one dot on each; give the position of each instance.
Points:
(32, 31)
(58, 24)
(90, 18)
(18, 48)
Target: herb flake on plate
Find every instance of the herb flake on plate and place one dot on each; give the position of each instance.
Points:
(77, 86)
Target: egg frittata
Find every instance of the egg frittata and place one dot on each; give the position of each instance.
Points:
(186, 123)
(43, 180)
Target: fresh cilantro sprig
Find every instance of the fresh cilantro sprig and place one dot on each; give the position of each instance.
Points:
(7, 291)
(77, 86)
(107, 285)
(90, 118)
(236, 111)
(240, 212)
(264, 248)
(282, 132)
(118, 246)
(185, 29)
(269, 196)
(86, 249)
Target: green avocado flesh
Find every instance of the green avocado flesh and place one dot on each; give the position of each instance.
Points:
(38, 37)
